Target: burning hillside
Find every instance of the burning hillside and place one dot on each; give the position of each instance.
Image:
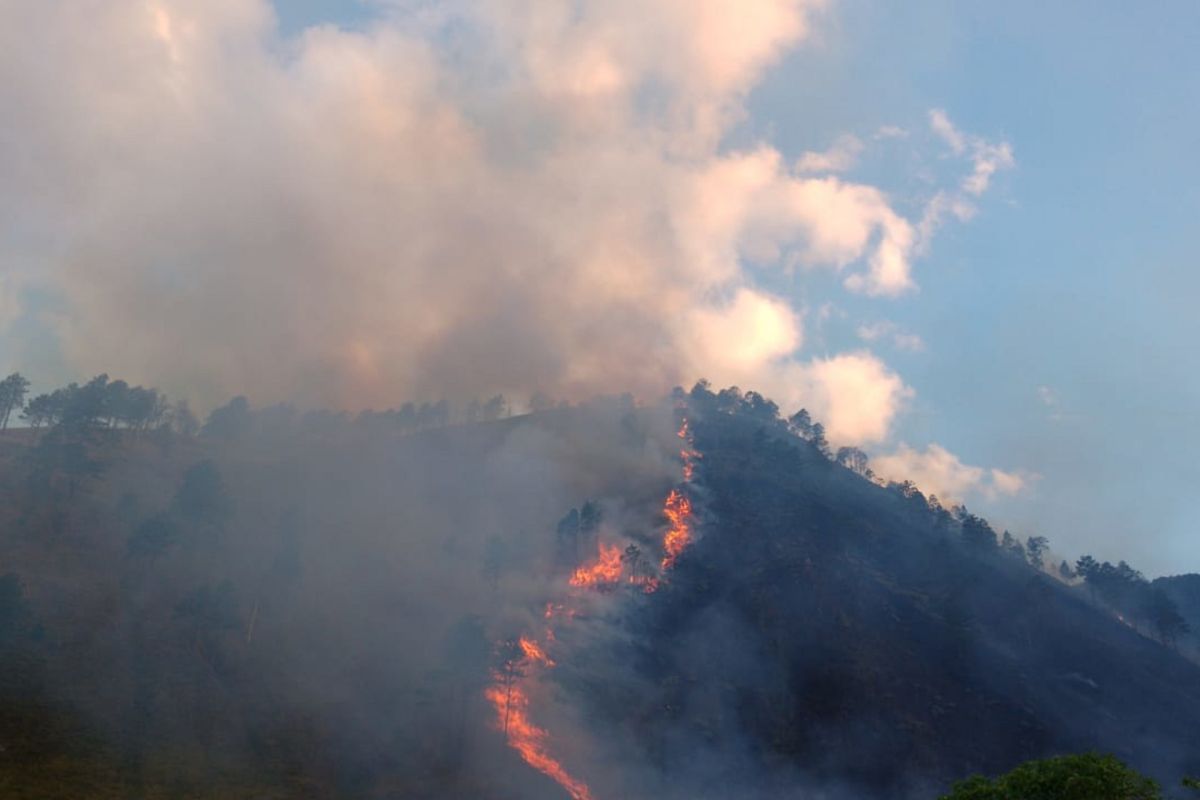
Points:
(527, 663)
(317, 607)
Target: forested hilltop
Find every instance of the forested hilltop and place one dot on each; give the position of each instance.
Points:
(279, 604)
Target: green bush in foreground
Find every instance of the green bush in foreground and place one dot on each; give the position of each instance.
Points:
(1080, 777)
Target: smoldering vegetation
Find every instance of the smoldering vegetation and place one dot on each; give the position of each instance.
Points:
(288, 604)
(284, 604)
(857, 640)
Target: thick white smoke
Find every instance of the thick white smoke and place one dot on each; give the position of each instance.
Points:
(462, 198)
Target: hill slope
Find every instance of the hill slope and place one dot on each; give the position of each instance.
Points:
(313, 610)
(852, 632)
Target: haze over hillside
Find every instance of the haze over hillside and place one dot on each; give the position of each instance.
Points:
(358, 438)
(694, 598)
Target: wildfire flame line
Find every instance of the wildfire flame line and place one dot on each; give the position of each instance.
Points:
(678, 508)
(606, 570)
(512, 709)
(509, 695)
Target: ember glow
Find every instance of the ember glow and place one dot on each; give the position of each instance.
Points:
(512, 717)
(679, 512)
(605, 571)
(534, 653)
(678, 508)
(510, 690)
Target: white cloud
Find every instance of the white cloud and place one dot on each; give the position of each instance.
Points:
(945, 130)
(854, 395)
(935, 470)
(986, 158)
(890, 132)
(1009, 483)
(886, 330)
(742, 340)
(840, 157)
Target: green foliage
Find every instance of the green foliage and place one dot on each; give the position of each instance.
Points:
(1077, 777)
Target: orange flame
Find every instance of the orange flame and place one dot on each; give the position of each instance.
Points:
(534, 652)
(648, 583)
(679, 535)
(605, 571)
(678, 508)
(510, 697)
(529, 740)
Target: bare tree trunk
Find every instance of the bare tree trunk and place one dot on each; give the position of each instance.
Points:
(507, 700)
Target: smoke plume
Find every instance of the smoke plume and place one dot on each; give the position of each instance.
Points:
(455, 200)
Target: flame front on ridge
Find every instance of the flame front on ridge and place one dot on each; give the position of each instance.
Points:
(509, 692)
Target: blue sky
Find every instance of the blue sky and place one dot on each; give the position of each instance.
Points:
(1080, 275)
(1057, 323)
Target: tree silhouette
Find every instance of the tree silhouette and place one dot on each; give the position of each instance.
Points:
(801, 424)
(182, 420)
(12, 397)
(1065, 571)
(976, 532)
(854, 460)
(1012, 546)
(495, 560)
(510, 665)
(1164, 616)
(632, 559)
(1086, 568)
(1036, 547)
(818, 440)
(230, 421)
(39, 411)
(495, 408)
